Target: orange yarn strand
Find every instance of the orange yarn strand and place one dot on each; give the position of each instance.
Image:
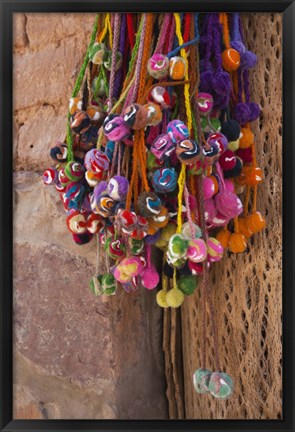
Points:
(225, 30)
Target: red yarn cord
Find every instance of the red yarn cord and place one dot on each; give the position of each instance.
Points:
(131, 31)
(186, 31)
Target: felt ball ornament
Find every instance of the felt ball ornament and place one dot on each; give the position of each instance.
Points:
(254, 111)
(256, 222)
(60, 187)
(74, 171)
(158, 66)
(229, 185)
(63, 178)
(115, 128)
(97, 53)
(161, 96)
(245, 154)
(178, 246)
(98, 86)
(177, 68)
(127, 220)
(59, 153)
(246, 139)
(136, 247)
(233, 145)
(242, 113)
(174, 298)
(150, 278)
(231, 129)
(236, 171)
(92, 179)
(166, 233)
(197, 250)
(108, 284)
(228, 204)
(94, 223)
(195, 268)
(254, 175)
(161, 298)
(210, 154)
(75, 104)
(220, 385)
(94, 285)
(81, 239)
(210, 124)
(204, 103)
(218, 140)
(187, 284)
(214, 249)
(248, 60)
(227, 160)
(223, 237)
(176, 262)
(154, 114)
(115, 248)
(136, 116)
(186, 231)
(117, 188)
(163, 147)
(103, 205)
(177, 130)
(50, 176)
(237, 243)
(76, 222)
(160, 220)
(201, 380)
(210, 210)
(97, 162)
(127, 269)
(243, 227)
(164, 180)
(149, 204)
(95, 113)
(188, 151)
(88, 139)
(230, 59)
(221, 85)
(108, 60)
(80, 122)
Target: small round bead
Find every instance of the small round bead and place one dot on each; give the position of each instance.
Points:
(220, 385)
(201, 380)
(230, 59)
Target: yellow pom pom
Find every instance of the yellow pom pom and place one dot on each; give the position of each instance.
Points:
(161, 299)
(167, 232)
(174, 298)
(233, 145)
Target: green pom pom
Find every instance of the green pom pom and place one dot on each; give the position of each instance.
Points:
(201, 380)
(108, 284)
(95, 285)
(108, 60)
(187, 284)
(221, 385)
(207, 127)
(97, 53)
(136, 246)
(177, 246)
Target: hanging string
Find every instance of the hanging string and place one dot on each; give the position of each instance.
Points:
(225, 30)
(117, 21)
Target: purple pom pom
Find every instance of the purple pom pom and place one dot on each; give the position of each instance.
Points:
(238, 46)
(220, 101)
(100, 189)
(150, 239)
(254, 111)
(221, 83)
(205, 82)
(242, 113)
(248, 60)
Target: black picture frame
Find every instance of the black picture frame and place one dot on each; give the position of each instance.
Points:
(287, 424)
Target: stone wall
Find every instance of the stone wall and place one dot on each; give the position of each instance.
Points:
(75, 356)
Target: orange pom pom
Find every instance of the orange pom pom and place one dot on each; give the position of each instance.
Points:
(247, 138)
(254, 175)
(230, 59)
(242, 178)
(223, 237)
(177, 68)
(256, 222)
(243, 227)
(237, 243)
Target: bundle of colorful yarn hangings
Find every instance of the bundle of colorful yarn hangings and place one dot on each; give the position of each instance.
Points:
(159, 152)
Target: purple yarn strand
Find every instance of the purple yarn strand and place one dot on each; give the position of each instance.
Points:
(235, 27)
(216, 41)
(209, 40)
(246, 85)
(240, 86)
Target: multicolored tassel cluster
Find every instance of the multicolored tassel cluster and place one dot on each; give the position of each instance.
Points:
(160, 153)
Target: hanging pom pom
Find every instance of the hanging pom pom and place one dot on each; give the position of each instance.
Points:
(80, 122)
(245, 154)
(174, 298)
(161, 96)
(243, 228)
(217, 140)
(115, 248)
(221, 83)
(227, 160)
(178, 246)
(248, 60)
(127, 269)
(163, 147)
(236, 171)
(223, 237)
(149, 204)
(135, 246)
(197, 250)
(186, 231)
(161, 298)
(75, 104)
(158, 66)
(108, 284)
(228, 204)
(81, 239)
(201, 380)
(97, 53)
(256, 222)
(242, 113)
(150, 278)
(50, 176)
(246, 139)
(136, 116)
(96, 161)
(254, 111)
(177, 68)
(220, 385)
(154, 114)
(187, 284)
(63, 178)
(177, 130)
(239, 46)
(115, 128)
(230, 59)
(204, 103)
(76, 222)
(231, 129)
(164, 180)
(188, 151)
(215, 249)
(237, 243)
(59, 153)
(117, 188)
(74, 171)
(108, 60)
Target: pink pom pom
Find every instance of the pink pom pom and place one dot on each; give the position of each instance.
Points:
(208, 187)
(150, 278)
(229, 185)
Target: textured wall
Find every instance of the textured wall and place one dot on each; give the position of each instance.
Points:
(247, 288)
(76, 356)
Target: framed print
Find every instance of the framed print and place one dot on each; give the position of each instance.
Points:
(147, 241)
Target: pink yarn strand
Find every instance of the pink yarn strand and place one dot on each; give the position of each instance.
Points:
(116, 38)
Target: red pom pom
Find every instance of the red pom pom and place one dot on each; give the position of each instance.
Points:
(227, 160)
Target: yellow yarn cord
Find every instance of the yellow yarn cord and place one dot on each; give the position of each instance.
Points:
(182, 175)
(174, 279)
(107, 27)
